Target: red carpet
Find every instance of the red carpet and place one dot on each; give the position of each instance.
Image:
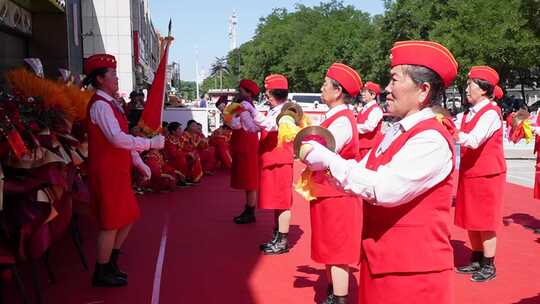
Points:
(208, 259)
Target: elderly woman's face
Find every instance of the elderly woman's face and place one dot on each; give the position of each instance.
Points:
(404, 96)
(475, 94)
(329, 93)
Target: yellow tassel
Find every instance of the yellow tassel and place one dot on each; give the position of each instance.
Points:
(527, 131)
(304, 185)
(230, 111)
(286, 131)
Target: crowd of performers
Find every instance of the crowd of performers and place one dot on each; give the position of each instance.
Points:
(379, 200)
(187, 156)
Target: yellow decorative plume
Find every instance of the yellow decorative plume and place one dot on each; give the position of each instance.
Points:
(69, 99)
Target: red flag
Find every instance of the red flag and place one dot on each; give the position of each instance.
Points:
(150, 121)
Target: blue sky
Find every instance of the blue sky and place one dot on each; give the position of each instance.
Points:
(204, 23)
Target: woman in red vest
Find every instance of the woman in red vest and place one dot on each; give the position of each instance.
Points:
(482, 173)
(111, 153)
(336, 214)
(275, 163)
(244, 148)
(406, 184)
(369, 119)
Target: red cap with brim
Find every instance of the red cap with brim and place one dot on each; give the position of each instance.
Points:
(372, 86)
(276, 82)
(99, 61)
(250, 86)
(485, 73)
(428, 54)
(347, 77)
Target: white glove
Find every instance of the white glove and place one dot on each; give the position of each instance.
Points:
(145, 171)
(249, 107)
(318, 157)
(157, 142)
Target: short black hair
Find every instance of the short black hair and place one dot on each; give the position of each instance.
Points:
(484, 85)
(92, 77)
(189, 123)
(420, 74)
(173, 126)
(280, 94)
(346, 96)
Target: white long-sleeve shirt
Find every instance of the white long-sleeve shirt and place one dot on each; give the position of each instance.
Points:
(340, 128)
(484, 128)
(102, 115)
(372, 120)
(268, 122)
(424, 161)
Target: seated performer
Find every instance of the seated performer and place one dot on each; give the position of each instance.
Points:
(164, 176)
(221, 141)
(181, 155)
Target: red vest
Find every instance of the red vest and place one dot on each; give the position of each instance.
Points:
(415, 236)
(488, 158)
(368, 139)
(324, 186)
(244, 142)
(102, 155)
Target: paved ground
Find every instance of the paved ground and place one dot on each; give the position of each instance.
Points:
(520, 161)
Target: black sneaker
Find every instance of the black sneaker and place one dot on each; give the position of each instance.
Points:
(469, 269)
(329, 299)
(486, 273)
(269, 243)
(280, 246)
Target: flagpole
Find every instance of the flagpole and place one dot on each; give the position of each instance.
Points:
(197, 72)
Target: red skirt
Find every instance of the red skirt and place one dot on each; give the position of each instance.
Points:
(336, 230)
(112, 199)
(479, 202)
(275, 187)
(426, 287)
(537, 177)
(245, 171)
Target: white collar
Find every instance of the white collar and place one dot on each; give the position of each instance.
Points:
(335, 109)
(369, 104)
(104, 95)
(477, 107)
(410, 121)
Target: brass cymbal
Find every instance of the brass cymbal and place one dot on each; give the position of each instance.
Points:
(327, 139)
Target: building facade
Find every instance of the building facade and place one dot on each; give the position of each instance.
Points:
(45, 29)
(124, 29)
